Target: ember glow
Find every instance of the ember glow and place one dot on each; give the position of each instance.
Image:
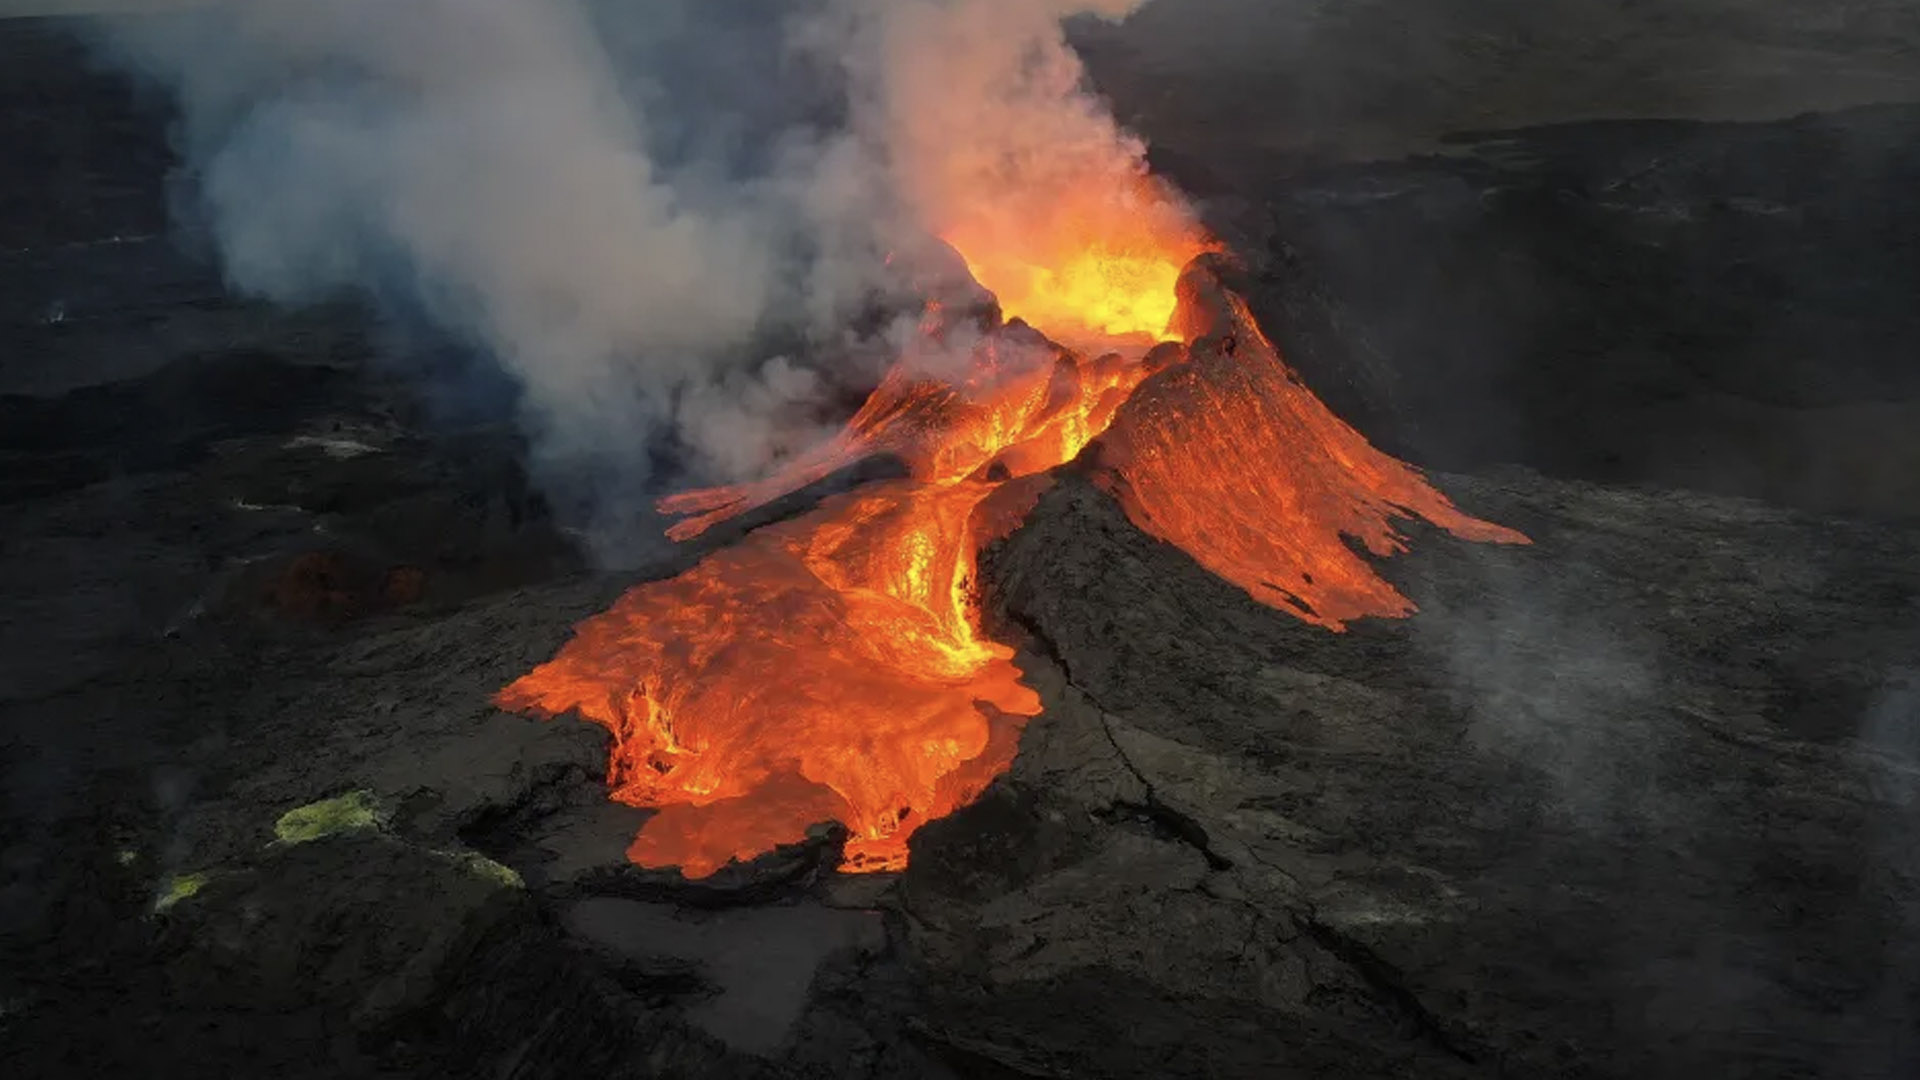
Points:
(1230, 458)
(1022, 406)
(1098, 272)
(828, 668)
(834, 667)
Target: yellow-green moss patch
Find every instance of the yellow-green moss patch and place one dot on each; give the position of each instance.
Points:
(481, 866)
(177, 888)
(352, 812)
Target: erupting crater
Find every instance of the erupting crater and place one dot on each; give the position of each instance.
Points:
(833, 666)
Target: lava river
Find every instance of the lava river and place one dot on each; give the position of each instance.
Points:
(832, 667)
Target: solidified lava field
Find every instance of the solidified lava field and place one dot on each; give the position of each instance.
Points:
(1639, 798)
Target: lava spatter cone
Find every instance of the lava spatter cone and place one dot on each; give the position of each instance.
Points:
(1231, 458)
(833, 666)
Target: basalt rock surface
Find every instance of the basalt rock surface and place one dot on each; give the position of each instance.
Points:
(1636, 800)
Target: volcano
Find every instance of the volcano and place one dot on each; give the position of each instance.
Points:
(835, 667)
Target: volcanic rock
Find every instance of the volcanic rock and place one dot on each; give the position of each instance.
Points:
(1604, 802)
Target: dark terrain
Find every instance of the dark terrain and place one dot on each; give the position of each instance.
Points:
(1715, 306)
(1640, 800)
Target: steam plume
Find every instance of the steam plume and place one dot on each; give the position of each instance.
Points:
(531, 177)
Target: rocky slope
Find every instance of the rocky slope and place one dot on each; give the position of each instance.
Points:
(1633, 801)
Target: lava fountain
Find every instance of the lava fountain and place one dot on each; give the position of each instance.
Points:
(833, 667)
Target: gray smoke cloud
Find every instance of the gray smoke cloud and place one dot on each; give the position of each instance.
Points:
(626, 204)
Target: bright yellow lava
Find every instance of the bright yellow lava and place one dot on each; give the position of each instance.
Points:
(1100, 292)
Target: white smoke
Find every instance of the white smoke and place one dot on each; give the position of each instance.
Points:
(493, 165)
(980, 106)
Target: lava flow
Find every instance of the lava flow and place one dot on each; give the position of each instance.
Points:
(832, 667)
(1230, 458)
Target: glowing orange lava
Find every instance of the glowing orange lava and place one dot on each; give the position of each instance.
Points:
(833, 667)
(1093, 271)
(1230, 458)
(825, 668)
(1022, 403)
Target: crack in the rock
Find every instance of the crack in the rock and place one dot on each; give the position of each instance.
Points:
(543, 796)
(1388, 982)
(1181, 826)
(1383, 978)
(1292, 882)
(981, 1057)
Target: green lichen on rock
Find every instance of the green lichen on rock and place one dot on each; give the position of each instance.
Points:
(481, 866)
(352, 812)
(177, 888)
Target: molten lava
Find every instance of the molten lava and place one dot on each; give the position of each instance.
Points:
(1096, 270)
(833, 666)
(1230, 458)
(1022, 404)
(825, 668)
